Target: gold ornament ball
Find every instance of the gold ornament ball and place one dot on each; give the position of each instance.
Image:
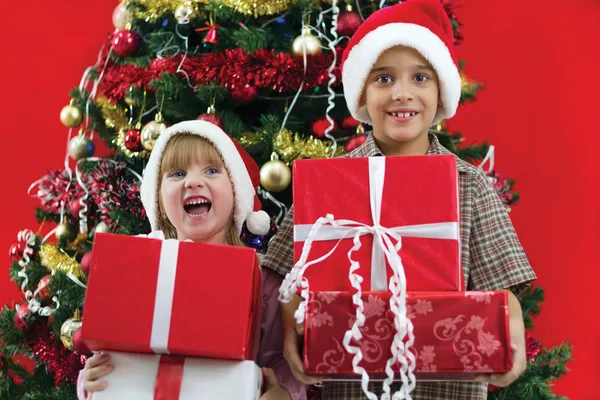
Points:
(67, 231)
(102, 228)
(275, 176)
(121, 16)
(68, 329)
(151, 132)
(71, 116)
(306, 42)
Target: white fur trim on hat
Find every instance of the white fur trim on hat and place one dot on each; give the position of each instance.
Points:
(259, 222)
(243, 188)
(364, 55)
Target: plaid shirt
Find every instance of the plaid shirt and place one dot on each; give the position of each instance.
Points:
(492, 259)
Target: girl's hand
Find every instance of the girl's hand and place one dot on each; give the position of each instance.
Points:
(96, 367)
(274, 391)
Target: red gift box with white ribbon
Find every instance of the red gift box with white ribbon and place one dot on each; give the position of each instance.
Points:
(370, 211)
(170, 297)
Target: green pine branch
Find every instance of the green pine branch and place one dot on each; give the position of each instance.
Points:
(9, 334)
(129, 224)
(66, 391)
(531, 301)
(473, 152)
(97, 123)
(251, 39)
(42, 215)
(71, 297)
(35, 271)
(536, 382)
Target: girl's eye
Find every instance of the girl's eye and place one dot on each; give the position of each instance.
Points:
(421, 78)
(176, 174)
(212, 171)
(384, 79)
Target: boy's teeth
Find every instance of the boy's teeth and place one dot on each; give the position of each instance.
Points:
(404, 115)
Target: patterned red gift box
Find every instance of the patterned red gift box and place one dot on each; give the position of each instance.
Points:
(457, 334)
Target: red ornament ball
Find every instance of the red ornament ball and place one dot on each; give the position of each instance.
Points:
(355, 141)
(23, 316)
(133, 140)
(350, 123)
(80, 345)
(16, 252)
(86, 262)
(348, 23)
(320, 126)
(244, 94)
(212, 118)
(74, 208)
(125, 42)
(44, 288)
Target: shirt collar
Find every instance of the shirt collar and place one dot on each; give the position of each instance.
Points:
(370, 149)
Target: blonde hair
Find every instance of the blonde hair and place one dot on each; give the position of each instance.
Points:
(182, 150)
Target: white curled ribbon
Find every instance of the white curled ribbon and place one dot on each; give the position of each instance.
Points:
(489, 158)
(331, 43)
(328, 228)
(28, 237)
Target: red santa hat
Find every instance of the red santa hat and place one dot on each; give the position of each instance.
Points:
(243, 172)
(420, 24)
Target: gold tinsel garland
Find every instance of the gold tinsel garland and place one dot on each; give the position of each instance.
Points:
(114, 116)
(290, 147)
(55, 260)
(258, 8)
(152, 10)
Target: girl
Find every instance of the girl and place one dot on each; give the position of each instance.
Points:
(199, 185)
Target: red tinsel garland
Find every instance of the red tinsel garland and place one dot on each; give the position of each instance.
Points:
(64, 363)
(277, 71)
(113, 187)
(110, 187)
(52, 190)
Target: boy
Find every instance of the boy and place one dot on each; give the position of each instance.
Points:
(400, 76)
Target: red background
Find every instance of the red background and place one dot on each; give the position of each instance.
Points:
(538, 60)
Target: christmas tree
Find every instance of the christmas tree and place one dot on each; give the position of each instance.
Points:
(268, 73)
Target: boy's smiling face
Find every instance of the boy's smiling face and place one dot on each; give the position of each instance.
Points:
(402, 96)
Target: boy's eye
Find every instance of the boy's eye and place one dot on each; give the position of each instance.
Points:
(176, 173)
(421, 78)
(384, 79)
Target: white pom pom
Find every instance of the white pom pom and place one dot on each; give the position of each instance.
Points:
(259, 223)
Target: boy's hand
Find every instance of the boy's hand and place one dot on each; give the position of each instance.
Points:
(291, 331)
(96, 367)
(517, 339)
(273, 390)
